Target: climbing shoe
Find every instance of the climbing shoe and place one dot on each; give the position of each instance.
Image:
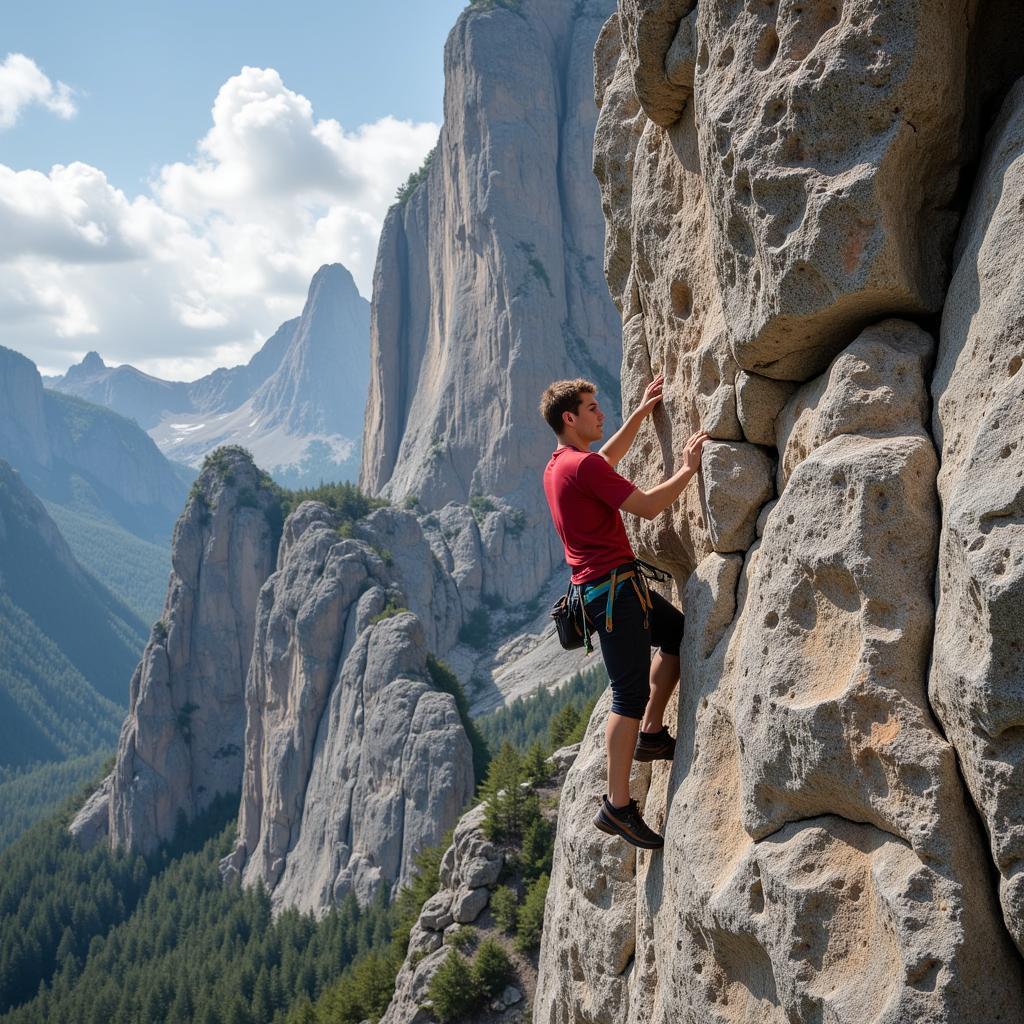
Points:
(627, 822)
(655, 746)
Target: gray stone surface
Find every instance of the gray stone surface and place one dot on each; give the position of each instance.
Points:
(649, 32)
(822, 859)
(436, 913)
(469, 903)
(977, 672)
(91, 824)
(182, 741)
(736, 481)
(759, 400)
(876, 386)
(659, 269)
(832, 137)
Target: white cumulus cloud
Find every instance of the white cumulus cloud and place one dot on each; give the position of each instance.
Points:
(22, 83)
(197, 271)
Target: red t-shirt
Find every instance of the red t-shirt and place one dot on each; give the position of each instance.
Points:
(584, 494)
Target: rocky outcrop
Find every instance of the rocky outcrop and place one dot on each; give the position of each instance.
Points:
(78, 454)
(182, 742)
(823, 859)
(469, 872)
(487, 285)
(977, 662)
(354, 759)
(471, 869)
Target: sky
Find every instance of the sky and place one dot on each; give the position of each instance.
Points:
(171, 176)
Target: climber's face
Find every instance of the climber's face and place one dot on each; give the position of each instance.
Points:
(588, 420)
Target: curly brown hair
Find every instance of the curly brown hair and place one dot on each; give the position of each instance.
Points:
(563, 396)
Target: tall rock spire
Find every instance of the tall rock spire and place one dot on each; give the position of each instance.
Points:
(488, 280)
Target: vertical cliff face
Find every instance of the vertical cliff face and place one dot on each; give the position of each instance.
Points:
(487, 284)
(777, 184)
(978, 663)
(182, 741)
(354, 759)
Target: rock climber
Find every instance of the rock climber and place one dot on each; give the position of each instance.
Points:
(585, 496)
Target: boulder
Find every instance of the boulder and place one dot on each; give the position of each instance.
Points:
(469, 903)
(737, 481)
(831, 139)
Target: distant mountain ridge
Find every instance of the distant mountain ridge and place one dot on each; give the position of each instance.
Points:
(146, 399)
(297, 405)
(83, 456)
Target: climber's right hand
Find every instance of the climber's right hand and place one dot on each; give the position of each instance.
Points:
(692, 451)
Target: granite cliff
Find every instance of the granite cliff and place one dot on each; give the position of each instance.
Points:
(488, 284)
(355, 759)
(794, 205)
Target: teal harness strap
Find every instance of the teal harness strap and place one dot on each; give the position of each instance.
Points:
(612, 586)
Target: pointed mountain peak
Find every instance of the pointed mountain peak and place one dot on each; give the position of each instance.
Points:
(92, 362)
(334, 279)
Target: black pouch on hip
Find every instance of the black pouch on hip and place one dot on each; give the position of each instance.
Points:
(571, 623)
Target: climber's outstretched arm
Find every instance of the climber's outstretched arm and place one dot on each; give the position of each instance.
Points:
(648, 504)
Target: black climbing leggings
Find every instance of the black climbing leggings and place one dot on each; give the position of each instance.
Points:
(627, 648)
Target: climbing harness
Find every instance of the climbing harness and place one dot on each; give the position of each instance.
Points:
(573, 624)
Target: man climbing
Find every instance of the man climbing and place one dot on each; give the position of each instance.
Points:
(585, 496)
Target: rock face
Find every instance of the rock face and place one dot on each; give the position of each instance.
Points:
(978, 664)
(182, 742)
(487, 285)
(354, 759)
(823, 859)
(831, 144)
